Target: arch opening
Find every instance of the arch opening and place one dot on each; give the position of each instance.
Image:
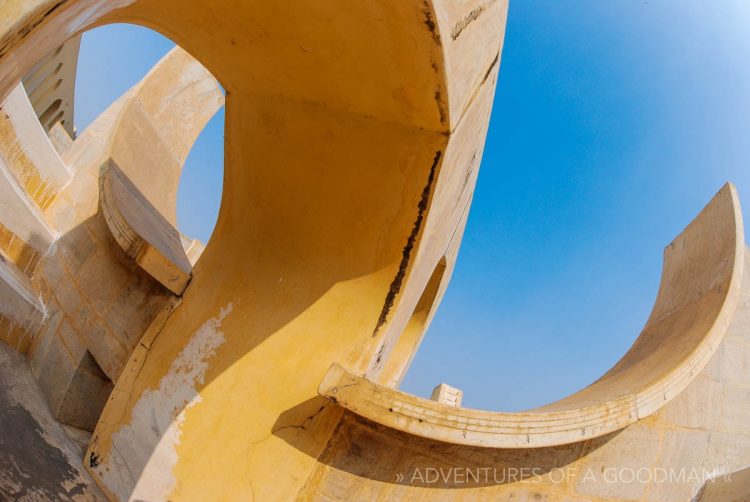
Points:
(325, 184)
(407, 344)
(114, 59)
(82, 326)
(698, 296)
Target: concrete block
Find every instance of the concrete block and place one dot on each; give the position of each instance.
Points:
(445, 394)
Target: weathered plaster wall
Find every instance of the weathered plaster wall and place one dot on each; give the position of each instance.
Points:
(100, 300)
(72, 298)
(327, 198)
(354, 134)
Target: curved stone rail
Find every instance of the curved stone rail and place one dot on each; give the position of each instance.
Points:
(141, 231)
(157, 124)
(697, 298)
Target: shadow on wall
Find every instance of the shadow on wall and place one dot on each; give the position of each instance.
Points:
(100, 300)
(370, 451)
(283, 284)
(328, 188)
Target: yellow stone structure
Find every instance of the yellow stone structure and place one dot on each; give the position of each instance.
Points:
(138, 365)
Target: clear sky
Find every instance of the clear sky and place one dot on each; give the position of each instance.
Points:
(614, 124)
(114, 58)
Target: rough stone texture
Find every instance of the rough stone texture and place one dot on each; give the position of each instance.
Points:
(72, 299)
(697, 438)
(38, 460)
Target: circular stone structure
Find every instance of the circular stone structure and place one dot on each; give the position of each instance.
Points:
(268, 368)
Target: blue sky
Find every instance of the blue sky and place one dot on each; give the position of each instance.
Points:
(614, 124)
(114, 58)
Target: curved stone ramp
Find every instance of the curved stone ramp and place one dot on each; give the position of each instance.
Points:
(141, 231)
(31, 176)
(28, 150)
(159, 121)
(697, 298)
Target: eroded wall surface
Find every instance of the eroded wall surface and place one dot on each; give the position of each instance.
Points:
(75, 300)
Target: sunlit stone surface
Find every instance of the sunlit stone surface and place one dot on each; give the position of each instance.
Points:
(139, 363)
